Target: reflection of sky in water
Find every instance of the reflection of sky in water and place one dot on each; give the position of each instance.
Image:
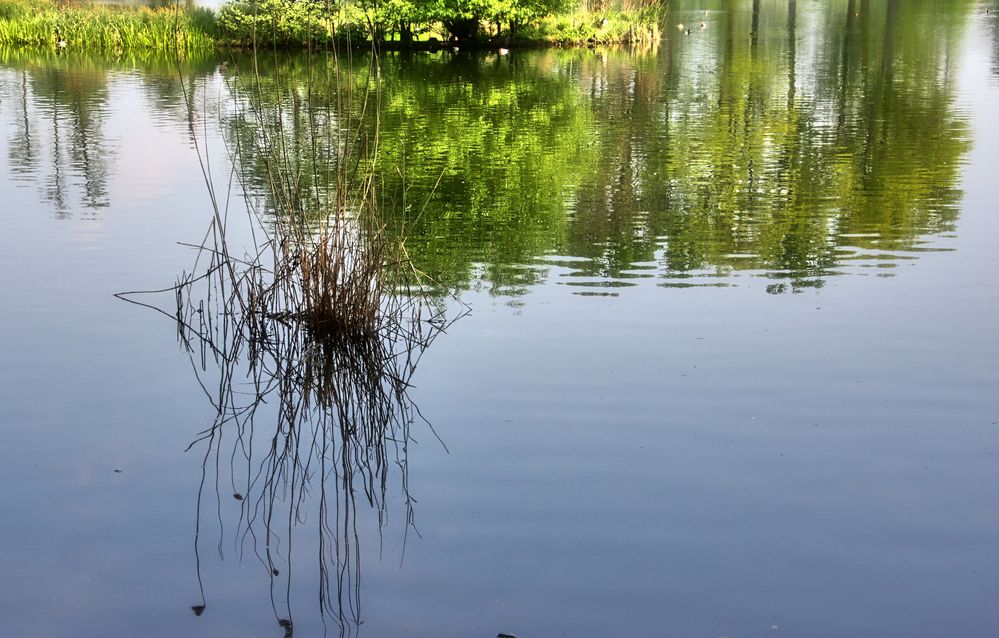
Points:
(670, 461)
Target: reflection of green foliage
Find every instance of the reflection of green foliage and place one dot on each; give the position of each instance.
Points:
(706, 160)
(502, 141)
(723, 151)
(306, 114)
(742, 165)
(518, 124)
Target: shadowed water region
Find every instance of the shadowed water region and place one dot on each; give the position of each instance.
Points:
(706, 344)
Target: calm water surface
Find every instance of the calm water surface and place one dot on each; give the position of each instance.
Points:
(730, 367)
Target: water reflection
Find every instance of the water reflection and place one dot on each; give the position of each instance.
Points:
(792, 141)
(304, 430)
(58, 141)
(789, 140)
(799, 152)
(736, 149)
(993, 21)
(59, 106)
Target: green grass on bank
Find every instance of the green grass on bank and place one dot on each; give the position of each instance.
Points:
(297, 24)
(42, 23)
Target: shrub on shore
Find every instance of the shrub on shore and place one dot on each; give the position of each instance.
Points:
(308, 23)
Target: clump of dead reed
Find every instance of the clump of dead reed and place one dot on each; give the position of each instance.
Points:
(303, 327)
(308, 167)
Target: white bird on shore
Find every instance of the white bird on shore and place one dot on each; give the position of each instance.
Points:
(679, 27)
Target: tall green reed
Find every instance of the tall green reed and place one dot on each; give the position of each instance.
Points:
(105, 28)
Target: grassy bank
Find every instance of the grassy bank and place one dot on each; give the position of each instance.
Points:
(43, 23)
(316, 23)
(422, 23)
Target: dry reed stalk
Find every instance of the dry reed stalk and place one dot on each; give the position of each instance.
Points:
(308, 336)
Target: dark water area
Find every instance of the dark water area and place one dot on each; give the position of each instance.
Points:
(729, 369)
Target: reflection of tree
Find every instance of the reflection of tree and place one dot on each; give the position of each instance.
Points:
(738, 149)
(23, 153)
(59, 141)
(787, 137)
(745, 164)
(68, 101)
(905, 143)
(717, 155)
(481, 151)
(993, 17)
(502, 142)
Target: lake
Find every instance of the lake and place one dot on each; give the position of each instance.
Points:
(720, 355)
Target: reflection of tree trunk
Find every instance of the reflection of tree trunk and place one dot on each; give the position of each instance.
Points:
(26, 150)
(876, 105)
(24, 108)
(754, 32)
(886, 85)
(891, 17)
(90, 186)
(792, 15)
(56, 194)
(752, 95)
(728, 52)
(844, 65)
(865, 54)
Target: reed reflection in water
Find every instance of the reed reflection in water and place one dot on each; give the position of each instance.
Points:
(305, 341)
(305, 428)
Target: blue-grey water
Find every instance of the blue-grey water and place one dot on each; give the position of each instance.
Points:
(730, 367)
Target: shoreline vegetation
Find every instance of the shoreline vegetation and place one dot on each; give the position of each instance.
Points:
(172, 25)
